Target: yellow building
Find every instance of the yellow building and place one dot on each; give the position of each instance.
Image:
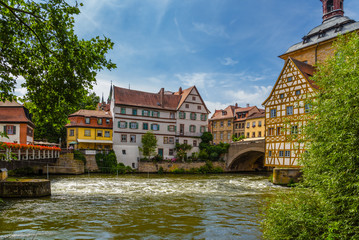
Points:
(286, 107)
(255, 125)
(90, 129)
(221, 125)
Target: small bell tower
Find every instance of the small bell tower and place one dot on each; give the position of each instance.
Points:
(332, 8)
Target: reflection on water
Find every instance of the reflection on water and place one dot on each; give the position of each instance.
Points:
(141, 207)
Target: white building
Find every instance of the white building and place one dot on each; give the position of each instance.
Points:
(173, 117)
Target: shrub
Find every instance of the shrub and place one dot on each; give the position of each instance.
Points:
(79, 156)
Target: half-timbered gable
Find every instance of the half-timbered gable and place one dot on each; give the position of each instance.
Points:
(285, 110)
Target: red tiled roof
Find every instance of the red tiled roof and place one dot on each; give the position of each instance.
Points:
(257, 115)
(14, 112)
(219, 113)
(246, 109)
(92, 113)
(307, 71)
(130, 97)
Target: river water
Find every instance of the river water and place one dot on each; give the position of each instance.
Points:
(141, 207)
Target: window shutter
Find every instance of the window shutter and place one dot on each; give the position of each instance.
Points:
(158, 114)
(151, 126)
(125, 124)
(118, 124)
(143, 112)
(5, 130)
(136, 125)
(184, 115)
(194, 128)
(168, 128)
(195, 116)
(14, 129)
(158, 127)
(175, 128)
(151, 113)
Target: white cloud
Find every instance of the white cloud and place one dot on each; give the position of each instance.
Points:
(253, 96)
(213, 106)
(201, 80)
(228, 61)
(211, 30)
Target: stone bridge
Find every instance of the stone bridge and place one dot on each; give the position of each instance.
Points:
(247, 155)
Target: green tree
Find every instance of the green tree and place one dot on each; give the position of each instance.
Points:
(328, 206)
(206, 139)
(45, 129)
(39, 45)
(149, 144)
(182, 150)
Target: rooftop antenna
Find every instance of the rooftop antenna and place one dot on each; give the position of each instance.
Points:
(129, 86)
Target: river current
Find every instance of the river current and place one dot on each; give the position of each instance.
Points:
(141, 207)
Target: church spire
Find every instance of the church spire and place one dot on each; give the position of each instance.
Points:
(332, 8)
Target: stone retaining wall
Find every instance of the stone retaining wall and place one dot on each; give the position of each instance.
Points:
(66, 164)
(25, 188)
(151, 167)
(286, 175)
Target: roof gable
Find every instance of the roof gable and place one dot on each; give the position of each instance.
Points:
(304, 69)
(185, 93)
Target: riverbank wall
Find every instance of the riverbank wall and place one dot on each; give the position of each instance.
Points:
(25, 188)
(66, 164)
(151, 167)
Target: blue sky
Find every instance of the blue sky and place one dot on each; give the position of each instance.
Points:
(227, 48)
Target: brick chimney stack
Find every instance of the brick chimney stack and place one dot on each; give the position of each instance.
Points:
(162, 96)
(332, 8)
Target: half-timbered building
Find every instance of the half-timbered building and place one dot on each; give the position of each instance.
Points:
(286, 107)
(285, 110)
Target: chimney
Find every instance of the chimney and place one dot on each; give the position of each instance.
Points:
(180, 91)
(236, 105)
(247, 104)
(162, 93)
(332, 8)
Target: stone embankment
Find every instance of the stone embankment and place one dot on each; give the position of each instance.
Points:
(66, 164)
(151, 167)
(25, 188)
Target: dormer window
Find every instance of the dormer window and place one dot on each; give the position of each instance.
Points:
(224, 113)
(321, 34)
(305, 39)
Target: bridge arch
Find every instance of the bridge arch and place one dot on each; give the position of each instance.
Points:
(246, 156)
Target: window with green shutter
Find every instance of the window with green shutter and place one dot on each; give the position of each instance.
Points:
(145, 126)
(123, 110)
(122, 124)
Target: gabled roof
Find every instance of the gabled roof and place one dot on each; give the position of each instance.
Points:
(130, 97)
(260, 114)
(218, 115)
(13, 112)
(161, 100)
(246, 109)
(92, 113)
(305, 69)
(184, 94)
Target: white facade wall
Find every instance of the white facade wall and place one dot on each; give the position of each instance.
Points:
(127, 152)
(12, 138)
